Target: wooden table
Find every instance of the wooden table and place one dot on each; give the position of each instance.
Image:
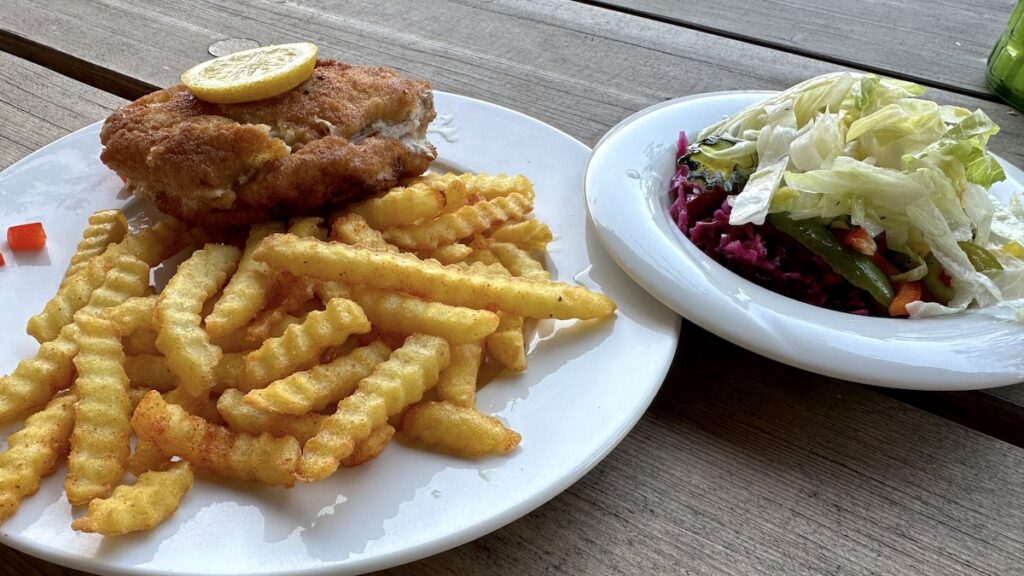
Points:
(741, 465)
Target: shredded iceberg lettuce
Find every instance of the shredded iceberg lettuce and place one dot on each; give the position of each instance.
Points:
(868, 149)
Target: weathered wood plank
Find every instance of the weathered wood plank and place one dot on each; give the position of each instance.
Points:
(38, 106)
(577, 67)
(900, 37)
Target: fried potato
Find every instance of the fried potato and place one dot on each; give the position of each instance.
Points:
(456, 430)
(463, 223)
(303, 343)
(144, 505)
(145, 457)
(105, 227)
(530, 235)
(34, 452)
(289, 295)
(321, 386)
(152, 246)
(370, 447)
(396, 312)
(262, 458)
(151, 371)
(140, 342)
(248, 291)
(391, 387)
(204, 405)
(35, 380)
(229, 372)
(241, 417)
(446, 254)
(518, 261)
(100, 440)
(489, 186)
(457, 383)
(401, 206)
(507, 344)
(353, 229)
(134, 314)
(406, 273)
(181, 338)
(307, 227)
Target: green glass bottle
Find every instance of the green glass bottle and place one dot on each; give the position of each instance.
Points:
(1005, 72)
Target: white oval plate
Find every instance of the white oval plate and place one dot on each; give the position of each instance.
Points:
(627, 195)
(585, 388)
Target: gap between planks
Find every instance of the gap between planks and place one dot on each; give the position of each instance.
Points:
(845, 62)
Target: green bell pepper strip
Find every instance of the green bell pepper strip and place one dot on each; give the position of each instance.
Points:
(980, 258)
(858, 269)
(933, 280)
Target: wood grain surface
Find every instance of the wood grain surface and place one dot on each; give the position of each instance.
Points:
(742, 465)
(896, 37)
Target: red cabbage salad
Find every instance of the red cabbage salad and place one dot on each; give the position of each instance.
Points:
(850, 192)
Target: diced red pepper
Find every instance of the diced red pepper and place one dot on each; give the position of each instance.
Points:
(26, 236)
(859, 240)
(887, 268)
(907, 292)
(1, 259)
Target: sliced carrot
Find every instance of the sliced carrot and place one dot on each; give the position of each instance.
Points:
(907, 292)
(26, 236)
(859, 240)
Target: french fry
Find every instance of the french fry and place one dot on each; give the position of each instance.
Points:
(105, 227)
(530, 235)
(457, 382)
(181, 338)
(229, 372)
(289, 295)
(307, 227)
(134, 314)
(147, 456)
(34, 452)
(140, 342)
(463, 223)
(100, 440)
(248, 290)
(456, 430)
(352, 229)
(241, 417)
(370, 447)
(489, 186)
(506, 344)
(396, 312)
(446, 254)
(204, 405)
(406, 273)
(390, 388)
(151, 371)
(144, 505)
(314, 389)
(262, 458)
(35, 380)
(457, 195)
(518, 261)
(303, 343)
(152, 246)
(401, 206)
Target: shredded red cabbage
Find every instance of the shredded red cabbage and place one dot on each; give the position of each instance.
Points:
(760, 254)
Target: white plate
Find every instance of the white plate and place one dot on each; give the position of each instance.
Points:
(627, 195)
(585, 388)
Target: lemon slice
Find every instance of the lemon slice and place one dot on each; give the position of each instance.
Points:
(252, 75)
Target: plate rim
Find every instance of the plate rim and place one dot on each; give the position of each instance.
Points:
(424, 549)
(734, 335)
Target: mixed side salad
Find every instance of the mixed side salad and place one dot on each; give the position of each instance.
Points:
(849, 192)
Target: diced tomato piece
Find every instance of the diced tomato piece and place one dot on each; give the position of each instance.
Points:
(26, 236)
(907, 292)
(1, 259)
(859, 240)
